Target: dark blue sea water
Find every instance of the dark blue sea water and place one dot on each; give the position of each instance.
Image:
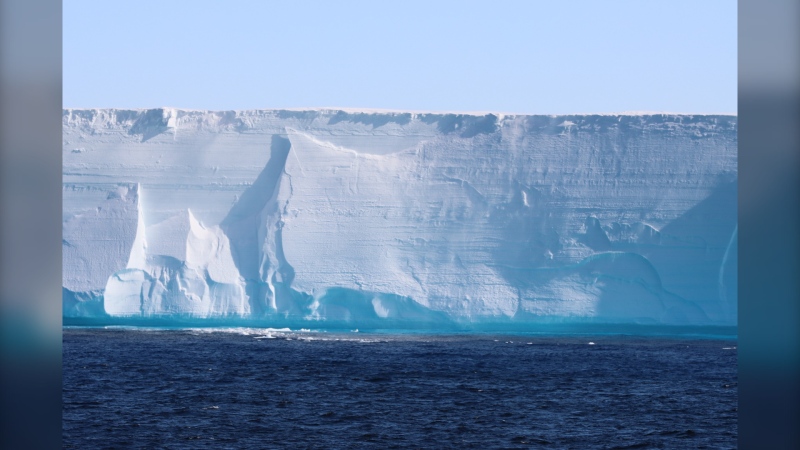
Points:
(250, 388)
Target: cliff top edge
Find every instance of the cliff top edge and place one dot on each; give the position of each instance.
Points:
(379, 111)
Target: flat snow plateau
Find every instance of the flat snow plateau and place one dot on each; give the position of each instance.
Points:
(392, 218)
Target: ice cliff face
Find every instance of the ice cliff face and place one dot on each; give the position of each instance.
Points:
(333, 216)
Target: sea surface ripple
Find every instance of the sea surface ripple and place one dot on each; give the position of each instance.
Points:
(261, 388)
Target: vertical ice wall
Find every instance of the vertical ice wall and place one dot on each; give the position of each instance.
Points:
(329, 215)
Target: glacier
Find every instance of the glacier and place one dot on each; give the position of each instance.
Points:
(382, 219)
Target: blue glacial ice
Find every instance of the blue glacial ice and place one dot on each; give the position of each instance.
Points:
(399, 219)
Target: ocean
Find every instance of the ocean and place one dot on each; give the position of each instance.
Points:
(134, 387)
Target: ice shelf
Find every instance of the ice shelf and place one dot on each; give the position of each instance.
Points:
(331, 216)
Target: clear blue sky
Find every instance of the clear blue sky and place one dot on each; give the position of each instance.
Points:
(507, 56)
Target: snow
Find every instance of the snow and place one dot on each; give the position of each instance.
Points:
(399, 217)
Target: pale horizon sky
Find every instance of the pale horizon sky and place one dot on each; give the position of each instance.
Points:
(507, 56)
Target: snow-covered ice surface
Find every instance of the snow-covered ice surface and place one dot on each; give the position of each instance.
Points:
(390, 218)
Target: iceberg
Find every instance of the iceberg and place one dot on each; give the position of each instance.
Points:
(376, 218)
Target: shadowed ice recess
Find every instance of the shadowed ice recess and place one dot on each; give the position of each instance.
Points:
(398, 220)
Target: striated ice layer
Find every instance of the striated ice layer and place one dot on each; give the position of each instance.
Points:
(398, 218)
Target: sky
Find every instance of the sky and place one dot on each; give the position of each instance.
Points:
(525, 57)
